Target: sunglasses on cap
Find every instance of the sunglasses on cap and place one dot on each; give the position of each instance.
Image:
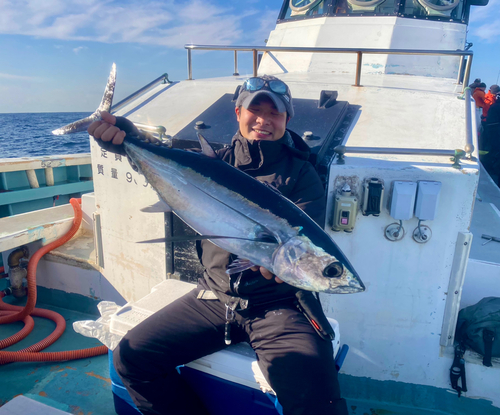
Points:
(274, 85)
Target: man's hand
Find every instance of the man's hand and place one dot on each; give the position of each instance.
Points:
(106, 130)
(266, 274)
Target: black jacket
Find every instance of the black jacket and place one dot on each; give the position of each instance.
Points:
(283, 164)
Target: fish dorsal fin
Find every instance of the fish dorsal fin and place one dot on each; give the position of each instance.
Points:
(206, 148)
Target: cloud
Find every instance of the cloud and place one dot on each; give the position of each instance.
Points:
(18, 77)
(482, 24)
(79, 49)
(171, 23)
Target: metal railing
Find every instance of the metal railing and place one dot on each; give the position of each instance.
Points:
(456, 155)
(469, 145)
(158, 129)
(359, 52)
(161, 79)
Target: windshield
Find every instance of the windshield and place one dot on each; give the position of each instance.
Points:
(445, 10)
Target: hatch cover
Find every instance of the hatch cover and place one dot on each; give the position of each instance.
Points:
(220, 125)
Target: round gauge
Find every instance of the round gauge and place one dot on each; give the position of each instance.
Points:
(303, 5)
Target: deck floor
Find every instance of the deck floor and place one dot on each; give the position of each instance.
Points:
(486, 220)
(81, 387)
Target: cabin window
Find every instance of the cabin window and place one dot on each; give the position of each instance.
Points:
(364, 7)
(442, 9)
(310, 8)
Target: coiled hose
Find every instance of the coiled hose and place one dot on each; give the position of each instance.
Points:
(10, 313)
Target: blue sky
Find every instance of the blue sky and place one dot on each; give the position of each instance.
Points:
(55, 54)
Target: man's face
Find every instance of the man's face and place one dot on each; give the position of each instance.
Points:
(261, 121)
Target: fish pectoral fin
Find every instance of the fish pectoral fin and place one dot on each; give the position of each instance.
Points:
(184, 238)
(267, 237)
(239, 265)
(158, 207)
(206, 148)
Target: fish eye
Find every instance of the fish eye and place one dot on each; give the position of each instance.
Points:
(334, 270)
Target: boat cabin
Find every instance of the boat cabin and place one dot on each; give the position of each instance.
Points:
(378, 87)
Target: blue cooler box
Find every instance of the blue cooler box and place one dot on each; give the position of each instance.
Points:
(121, 398)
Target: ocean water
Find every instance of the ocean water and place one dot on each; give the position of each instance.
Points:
(29, 135)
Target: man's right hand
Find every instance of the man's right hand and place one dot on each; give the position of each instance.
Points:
(106, 130)
(268, 275)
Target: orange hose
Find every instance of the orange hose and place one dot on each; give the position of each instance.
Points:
(28, 327)
(11, 313)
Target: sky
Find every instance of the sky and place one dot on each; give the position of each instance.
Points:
(55, 55)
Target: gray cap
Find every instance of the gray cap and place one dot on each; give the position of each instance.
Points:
(282, 102)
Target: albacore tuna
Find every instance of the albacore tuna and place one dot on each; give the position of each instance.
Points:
(237, 212)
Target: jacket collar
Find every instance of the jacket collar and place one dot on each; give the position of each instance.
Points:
(252, 156)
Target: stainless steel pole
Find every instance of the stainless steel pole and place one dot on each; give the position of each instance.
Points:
(467, 72)
(460, 69)
(358, 68)
(469, 146)
(190, 67)
(255, 60)
(235, 63)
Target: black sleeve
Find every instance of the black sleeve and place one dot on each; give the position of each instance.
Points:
(309, 194)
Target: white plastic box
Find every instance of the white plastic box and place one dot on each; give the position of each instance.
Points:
(427, 199)
(403, 200)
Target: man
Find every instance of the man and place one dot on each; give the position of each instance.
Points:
(491, 160)
(490, 98)
(479, 96)
(253, 306)
(475, 84)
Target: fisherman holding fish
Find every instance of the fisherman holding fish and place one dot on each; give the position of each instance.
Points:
(285, 325)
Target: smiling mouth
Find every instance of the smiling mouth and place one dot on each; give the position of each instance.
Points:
(262, 132)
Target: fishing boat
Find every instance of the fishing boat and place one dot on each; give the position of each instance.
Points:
(380, 98)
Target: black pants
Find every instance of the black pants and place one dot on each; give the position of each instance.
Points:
(296, 362)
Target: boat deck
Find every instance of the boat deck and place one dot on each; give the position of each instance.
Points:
(83, 387)
(78, 386)
(486, 220)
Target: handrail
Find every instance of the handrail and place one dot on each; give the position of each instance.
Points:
(394, 150)
(163, 79)
(43, 162)
(158, 129)
(358, 51)
(469, 145)
(456, 155)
